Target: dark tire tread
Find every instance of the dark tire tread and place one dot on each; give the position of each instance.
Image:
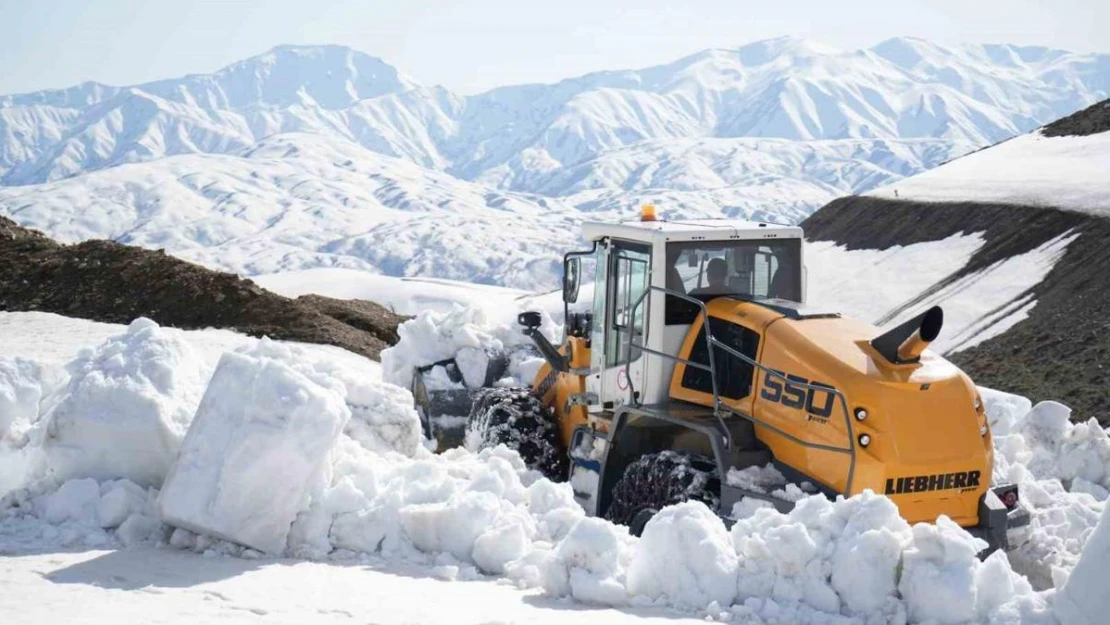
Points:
(516, 418)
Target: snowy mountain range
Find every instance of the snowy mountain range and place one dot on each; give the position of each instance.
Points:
(324, 156)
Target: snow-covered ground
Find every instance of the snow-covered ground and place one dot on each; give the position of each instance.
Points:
(405, 296)
(364, 500)
(1032, 170)
(162, 586)
(298, 201)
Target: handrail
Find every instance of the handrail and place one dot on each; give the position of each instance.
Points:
(718, 405)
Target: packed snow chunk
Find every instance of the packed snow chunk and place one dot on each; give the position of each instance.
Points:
(944, 582)
(470, 336)
(139, 529)
(1061, 524)
(473, 526)
(119, 500)
(938, 578)
(383, 418)
(589, 564)
(434, 336)
(685, 555)
(1084, 599)
(76, 501)
(126, 407)
(1063, 450)
(823, 556)
(259, 441)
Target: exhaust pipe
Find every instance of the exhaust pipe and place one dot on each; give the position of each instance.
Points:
(905, 343)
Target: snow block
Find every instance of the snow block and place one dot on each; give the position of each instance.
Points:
(260, 439)
(1084, 600)
(126, 407)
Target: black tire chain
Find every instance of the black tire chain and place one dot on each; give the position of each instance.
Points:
(519, 420)
(659, 480)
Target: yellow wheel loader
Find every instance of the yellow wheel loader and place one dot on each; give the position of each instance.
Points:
(701, 374)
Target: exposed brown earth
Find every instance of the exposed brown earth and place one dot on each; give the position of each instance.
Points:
(110, 282)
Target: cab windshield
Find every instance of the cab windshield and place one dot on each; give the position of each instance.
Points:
(759, 269)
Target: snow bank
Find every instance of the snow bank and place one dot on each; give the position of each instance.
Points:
(81, 513)
(1063, 471)
(301, 455)
(259, 440)
(126, 407)
(1083, 599)
(685, 553)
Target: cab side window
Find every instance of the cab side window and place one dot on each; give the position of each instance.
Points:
(629, 277)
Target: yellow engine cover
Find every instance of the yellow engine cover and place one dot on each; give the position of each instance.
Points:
(923, 420)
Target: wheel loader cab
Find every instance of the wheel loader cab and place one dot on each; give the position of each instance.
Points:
(650, 276)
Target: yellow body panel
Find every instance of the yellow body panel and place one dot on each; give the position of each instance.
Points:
(921, 418)
(558, 394)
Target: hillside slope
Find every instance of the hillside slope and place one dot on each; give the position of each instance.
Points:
(106, 281)
(1051, 337)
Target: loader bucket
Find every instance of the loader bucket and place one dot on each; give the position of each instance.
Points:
(444, 392)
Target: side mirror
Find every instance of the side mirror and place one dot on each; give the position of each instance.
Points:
(530, 319)
(572, 276)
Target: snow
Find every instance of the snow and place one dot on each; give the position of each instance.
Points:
(685, 553)
(370, 494)
(126, 407)
(1062, 471)
(54, 340)
(970, 303)
(168, 587)
(977, 307)
(405, 296)
(847, 279)
(472, 334)
(263, 421)
(1083, 599)
(1033, 170)
(322, 157)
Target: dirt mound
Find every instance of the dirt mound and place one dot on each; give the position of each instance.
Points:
(1062, 350)
(1091, 120)
(110, 282)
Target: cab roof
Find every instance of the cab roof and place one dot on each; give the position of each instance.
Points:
(688, 230)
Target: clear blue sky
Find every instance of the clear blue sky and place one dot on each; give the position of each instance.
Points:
(470, 46)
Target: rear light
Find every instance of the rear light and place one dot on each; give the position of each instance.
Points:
(1008, 495)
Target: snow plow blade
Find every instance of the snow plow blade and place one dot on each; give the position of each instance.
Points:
(444, 392)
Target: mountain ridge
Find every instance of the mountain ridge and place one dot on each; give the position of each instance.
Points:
(786, 88)
(310, 156)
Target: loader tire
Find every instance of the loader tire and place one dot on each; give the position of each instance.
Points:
(653, 482)
(516, 418)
